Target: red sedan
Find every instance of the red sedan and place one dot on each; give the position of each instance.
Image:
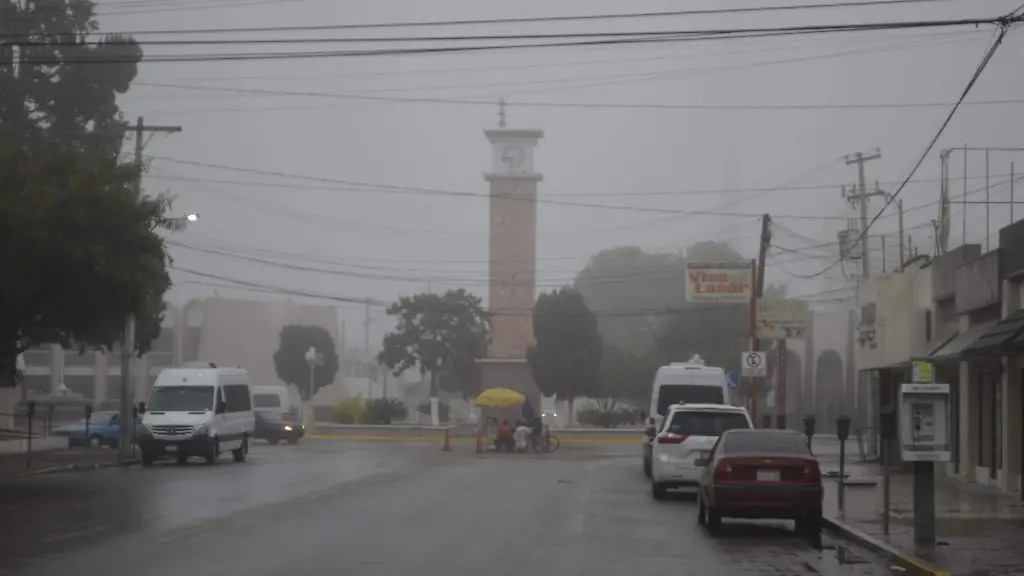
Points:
(761, 474)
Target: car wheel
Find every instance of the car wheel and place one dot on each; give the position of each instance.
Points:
(714, 519)
(810, 525)
(702, 511)
(273, 441)
(239, 453)
(148, 458)
(294, 440)
(658, 490)
(181, 459)
(213, 452)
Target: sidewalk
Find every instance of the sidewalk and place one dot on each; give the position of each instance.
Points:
(16, 464)
(979, 532)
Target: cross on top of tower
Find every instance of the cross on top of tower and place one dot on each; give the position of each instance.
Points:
(501, 113)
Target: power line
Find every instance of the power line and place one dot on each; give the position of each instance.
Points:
(1004, 28)
(525, 20)
(626, 38)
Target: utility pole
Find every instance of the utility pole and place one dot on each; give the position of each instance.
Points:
(862, 198)
(755, 292)
(124, 444)
(899, 206)
(988, 212)
(366, 352)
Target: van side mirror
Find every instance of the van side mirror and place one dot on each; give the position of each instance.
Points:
(222, 407)
(142, 407)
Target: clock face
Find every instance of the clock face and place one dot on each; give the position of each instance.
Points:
(513, 157)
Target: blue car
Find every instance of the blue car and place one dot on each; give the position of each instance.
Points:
(103, 430)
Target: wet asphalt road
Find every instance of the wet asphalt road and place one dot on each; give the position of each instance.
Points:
(327, 507)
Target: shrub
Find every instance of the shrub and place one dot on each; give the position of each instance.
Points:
(600, 418)
(384, 410)
(349, 411)
(443, 410)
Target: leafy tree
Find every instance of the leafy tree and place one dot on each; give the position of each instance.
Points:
(80, 253)
(53, 90)
(566, 359)
(626, 375)
(290, 359)
(629, 279)
(440, 333)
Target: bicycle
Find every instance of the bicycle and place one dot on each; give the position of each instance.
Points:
(548, 442)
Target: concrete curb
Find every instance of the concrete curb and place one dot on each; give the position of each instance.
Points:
(71, 468)
(460, 439)
(909, 562)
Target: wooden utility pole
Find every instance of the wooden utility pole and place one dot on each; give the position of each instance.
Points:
(124, 444)
(861, 197)
(756, 291)
(899, 206)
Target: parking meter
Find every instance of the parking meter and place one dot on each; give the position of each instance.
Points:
(888, 422)
(842, 432)
(843, 428)
(88, 419)
(809, 422)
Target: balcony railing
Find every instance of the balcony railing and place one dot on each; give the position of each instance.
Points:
(40, 358)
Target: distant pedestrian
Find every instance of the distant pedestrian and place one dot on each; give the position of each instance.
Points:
(522, 437)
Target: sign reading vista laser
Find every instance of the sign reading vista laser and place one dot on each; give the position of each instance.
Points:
(718, 282)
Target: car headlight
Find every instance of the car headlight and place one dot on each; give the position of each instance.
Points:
(288, 428)
(201, 430)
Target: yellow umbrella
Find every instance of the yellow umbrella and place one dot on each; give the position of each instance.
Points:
(499, 398)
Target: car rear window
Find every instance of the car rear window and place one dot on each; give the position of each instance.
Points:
(707, 423)
(670, 394)
(766, 443)
(267, 400)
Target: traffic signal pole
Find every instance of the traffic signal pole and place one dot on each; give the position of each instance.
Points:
(756, 290)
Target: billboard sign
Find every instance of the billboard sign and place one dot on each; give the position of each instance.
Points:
(719, 282)
(781, 319)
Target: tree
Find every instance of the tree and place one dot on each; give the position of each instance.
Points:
(290, 359)
(629, 279)
(80, 253)
(440, 333)
(566, 359)
(56, 91)
(626, 375)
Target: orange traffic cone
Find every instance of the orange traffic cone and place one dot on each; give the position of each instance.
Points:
(479, 444)
(447, 442)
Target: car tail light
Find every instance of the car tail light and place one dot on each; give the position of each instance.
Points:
(723, 471)
(672, 438)
(812, 473)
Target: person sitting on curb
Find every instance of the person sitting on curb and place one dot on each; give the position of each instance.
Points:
(522, 437)
(504, 440)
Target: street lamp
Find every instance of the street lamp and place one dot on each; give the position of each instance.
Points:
(192, 217)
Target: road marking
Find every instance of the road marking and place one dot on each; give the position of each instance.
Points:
(75, 534)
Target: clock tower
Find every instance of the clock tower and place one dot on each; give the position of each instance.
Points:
(513, 184)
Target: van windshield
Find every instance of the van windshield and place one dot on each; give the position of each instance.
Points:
(689, 394)
(181, 399)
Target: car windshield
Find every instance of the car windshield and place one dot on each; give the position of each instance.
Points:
(707, 423)
(688, 394)
(181, 399)
(266, 401)
(764, 443)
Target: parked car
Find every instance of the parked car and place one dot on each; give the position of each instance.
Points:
(690, 432)
(761, 474)
(103, 429)
(274, 426)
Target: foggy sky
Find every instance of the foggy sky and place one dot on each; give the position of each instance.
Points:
(589, 155)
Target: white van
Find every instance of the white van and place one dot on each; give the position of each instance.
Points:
(197, 412)
(274, 398)
(681, 383)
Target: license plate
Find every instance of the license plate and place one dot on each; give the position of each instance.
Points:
(768, 475)
(171, 448)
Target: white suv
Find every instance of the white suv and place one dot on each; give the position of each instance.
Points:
(684, 441)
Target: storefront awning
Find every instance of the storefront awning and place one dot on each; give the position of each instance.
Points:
(927, 355)
(998, 340)
(953, 350)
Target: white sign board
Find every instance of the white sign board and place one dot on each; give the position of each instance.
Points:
(754, 364)
(719, 282)
(781, 319)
